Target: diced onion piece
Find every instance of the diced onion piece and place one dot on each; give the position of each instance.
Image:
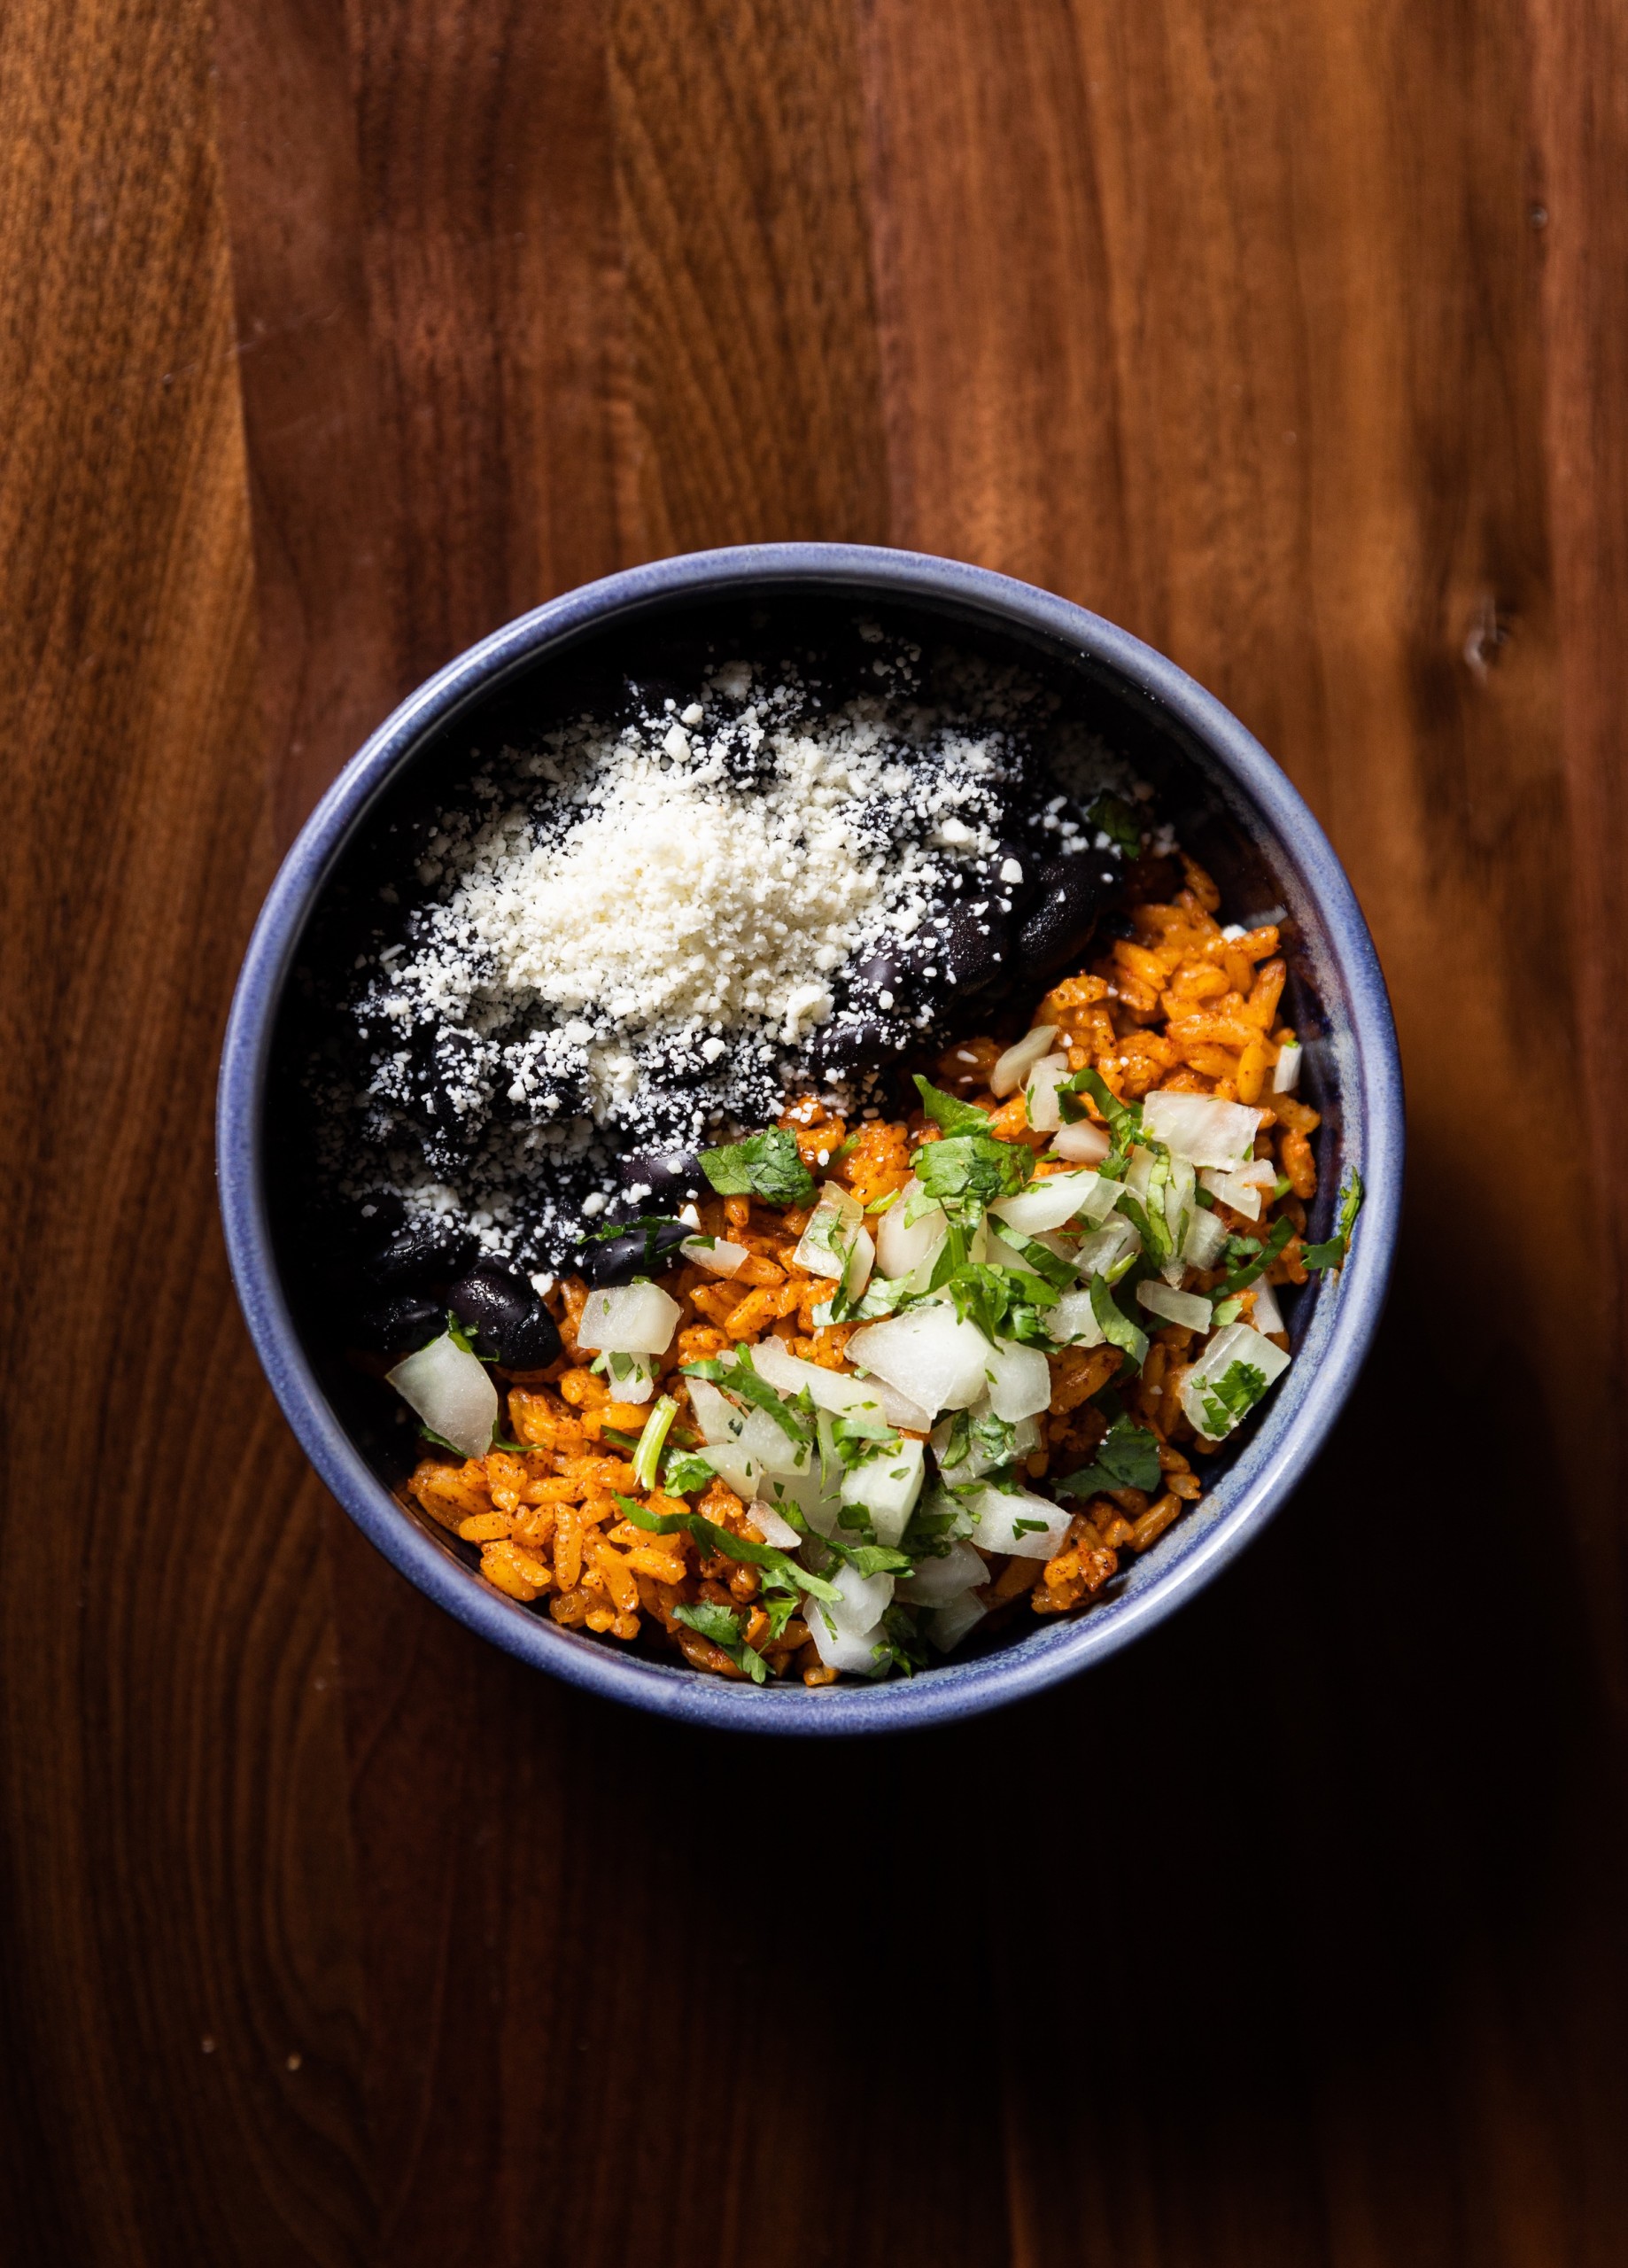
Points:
(734, 1467)
(888, 1486)
(929, 1355)
(807, 1491)
(771, 1447)
(628, 1319)
(1268, 1314)
(1072, 1322)
(1237, 1343)
(773, 1527)
(936, 1581)
(1139, 1172)
(631, 1376)
(863, 1602)
(861, 1260)
(1261, 1171)
(898, 1408)
(1202, 1129)
(1205, 1240)
(948, 1624)
(1083, 1143)
(452, 1391)
(1020, 1380)
(826, 1246)
(1013, 1067)
(1185, 1308)
(715, 1254)
(1099, 1251)
(1243, 1196)
(1045, 1113)
(1286, 1076)
(1000, 1513)
(843, 1650)
(903, 1247)
(717, 1416)
(1047, 1204)
(831, 1390)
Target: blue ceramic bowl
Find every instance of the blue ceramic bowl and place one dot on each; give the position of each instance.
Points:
(1233, 807)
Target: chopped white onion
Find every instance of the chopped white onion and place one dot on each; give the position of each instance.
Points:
(826, 1243)
(842, 1649)
(715, 1254)
(948, 1624)
(1243, 1196)
(1020, 1380)
(1139, 1172)
(1205, 1240)
(1014, 1066)
(862, 1602)
(733, 1467)
(903, 1247)
(999, 1513)
(1073, 1321)
(1268, 1316)
(771, 1447)
(715, 1414)
(1185, 1308)
(1083, 1143)
(452, 1391)
(929, 1355)
(898, 1408)
(1237, 1343)
(772, 1529)
(888, 1486)
(631, 1378)
(1098, 1252)
(936, 1581)
(628, 1319)
(1202, 1129)
(831, 1390)
(807, 1491)
(1045, 1113)
(1286, 1076)
(1061, 1197)
(977, 1461)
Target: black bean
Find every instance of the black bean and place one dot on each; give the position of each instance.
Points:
(1058, 928)
(839, 1051)
(670, 1177)
(420, 1256)
(510, 1324)
(397, 1326)
(975, 949)
(640, 1251)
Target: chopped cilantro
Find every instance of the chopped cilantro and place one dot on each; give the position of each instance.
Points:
(944, 1110)
(859, 1436)
(901, 1647)
(934, 1525)
(722, 1629)
(967, 1172)
(1230, 1398)
(1332, 1255)
(713, 1538)
(995, 1441)
(620, 1439)
(1240, 1279)
(767, 1165)
(740, 1376)
(1003, 1302)
(1127, 1457)
(1116, 1325)
(685, 1472)
(1045, 1263)
(1118, 821)
(461, 1335)
(1028, 1528)
(1123, 1120)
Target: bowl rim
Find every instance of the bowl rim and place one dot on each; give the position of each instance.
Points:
(954, 1691)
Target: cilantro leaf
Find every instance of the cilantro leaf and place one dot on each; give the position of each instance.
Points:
(687, 1470)
(969, 1172)
(1028, 1528)
(1127, 1457)
(1003, 1302)
(766, 1165)
(901, 1647)
(1230, 1398)
(934, 1525)
(1123, 1120)
(722, 1629)
(713, 1538)
(1332, 1254)
(944, 1110)
(1239, 1280)
(1118, 821)
(1116, 1325)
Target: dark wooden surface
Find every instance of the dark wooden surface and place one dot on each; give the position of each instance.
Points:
(1296, 338)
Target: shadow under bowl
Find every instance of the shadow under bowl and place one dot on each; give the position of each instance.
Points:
(1232, 807)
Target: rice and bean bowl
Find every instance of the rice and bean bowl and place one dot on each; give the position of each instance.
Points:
(853, 1231)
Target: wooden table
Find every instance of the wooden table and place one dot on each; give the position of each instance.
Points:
(1296, 338)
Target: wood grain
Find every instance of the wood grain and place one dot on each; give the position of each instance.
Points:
(1291, 338)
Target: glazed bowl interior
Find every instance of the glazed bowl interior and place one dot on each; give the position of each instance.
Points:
(1231, 808)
